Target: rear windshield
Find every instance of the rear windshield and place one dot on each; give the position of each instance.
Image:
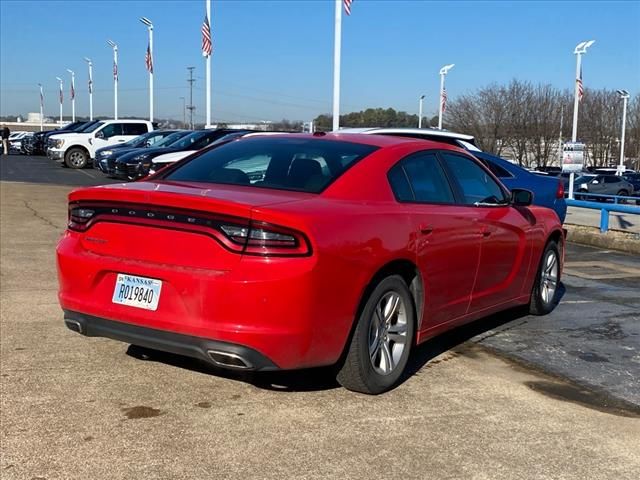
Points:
(303, 164)
(92, 128)
(170, 139)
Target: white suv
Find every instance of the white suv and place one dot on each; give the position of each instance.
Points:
(76, 149)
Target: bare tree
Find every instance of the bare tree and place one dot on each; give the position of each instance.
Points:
(599, 125)
(482, 114)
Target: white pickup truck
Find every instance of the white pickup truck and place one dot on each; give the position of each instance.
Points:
(76, 149)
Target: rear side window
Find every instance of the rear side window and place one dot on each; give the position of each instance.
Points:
(496, 169)
(302, 164)
(476, 185)
(420, 178)
(134, 129)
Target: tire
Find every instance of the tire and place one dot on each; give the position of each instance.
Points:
(544, 296)
(381, 343)
(76, 158)
(623, 193)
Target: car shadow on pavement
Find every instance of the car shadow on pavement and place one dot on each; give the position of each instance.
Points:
(324, 378)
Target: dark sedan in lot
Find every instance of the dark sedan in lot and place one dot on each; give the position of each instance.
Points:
(134, 165)
(607, 185)
(106, 157)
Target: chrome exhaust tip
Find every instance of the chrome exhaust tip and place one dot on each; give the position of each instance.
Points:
(229, 360)
(73, 325)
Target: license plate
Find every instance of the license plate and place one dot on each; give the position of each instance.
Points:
(140, 292)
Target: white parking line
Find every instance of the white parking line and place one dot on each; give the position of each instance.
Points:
(86, 173)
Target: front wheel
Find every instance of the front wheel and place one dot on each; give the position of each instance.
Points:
(76, 158)
(544, 296)
(381, 342)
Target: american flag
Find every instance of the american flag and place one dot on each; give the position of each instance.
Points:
(580, 87)
(347, 6)
(148, 60)
(443, 100)
(73, 92)
(206, 37)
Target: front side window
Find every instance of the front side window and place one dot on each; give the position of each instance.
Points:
(476, 185)
(611, 179)
(301, 164)
(111, 130)
(424, 177)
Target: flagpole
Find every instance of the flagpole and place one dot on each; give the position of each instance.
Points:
(151, 74)
(580, 49)
(61, 96)
(576, 98)
(114, 46)
(88, 60)
(443, 73)
(41, 108)
(336, 64)
(73, 95)
(208, 68)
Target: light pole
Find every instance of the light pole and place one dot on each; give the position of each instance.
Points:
(420, 112)
(149, 62)
(580, 50)
(115, 78)
(73, 95)
(184, 112)
(443, 72)
(41, 107)
(624, 95)
(61, 98)
(88, 60)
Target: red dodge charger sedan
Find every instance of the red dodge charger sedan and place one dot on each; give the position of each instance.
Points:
(294, 251)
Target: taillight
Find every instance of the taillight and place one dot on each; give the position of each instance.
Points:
(560, 190)
(261, 238)
(79, 218)
(239, 235)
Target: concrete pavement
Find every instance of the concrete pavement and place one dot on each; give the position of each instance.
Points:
(78, 408)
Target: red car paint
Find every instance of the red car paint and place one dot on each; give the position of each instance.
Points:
(298, 311)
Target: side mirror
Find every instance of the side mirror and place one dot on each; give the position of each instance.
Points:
(595, 182)
(521, 198)
(100, 134)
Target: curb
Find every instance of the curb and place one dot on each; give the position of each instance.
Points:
(612, 240)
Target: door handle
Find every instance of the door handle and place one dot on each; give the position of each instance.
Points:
(426, 229)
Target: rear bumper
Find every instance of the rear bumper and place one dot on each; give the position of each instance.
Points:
(220, 354)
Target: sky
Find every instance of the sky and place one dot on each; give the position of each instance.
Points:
(274, 59)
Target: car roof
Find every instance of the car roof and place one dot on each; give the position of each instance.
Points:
(381, 141)
(411, 131)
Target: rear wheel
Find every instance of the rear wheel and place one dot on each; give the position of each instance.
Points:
(545, 289)
(76, 158)
(381, 343)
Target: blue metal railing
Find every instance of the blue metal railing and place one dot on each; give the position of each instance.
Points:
(604, 207)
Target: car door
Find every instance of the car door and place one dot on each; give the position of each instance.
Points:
(447, 239)
(505, 250)
(108, 135)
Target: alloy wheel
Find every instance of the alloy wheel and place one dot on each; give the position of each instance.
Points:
(549, 277)
(388, 333)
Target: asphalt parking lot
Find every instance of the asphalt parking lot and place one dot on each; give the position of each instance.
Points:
(510, 396)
